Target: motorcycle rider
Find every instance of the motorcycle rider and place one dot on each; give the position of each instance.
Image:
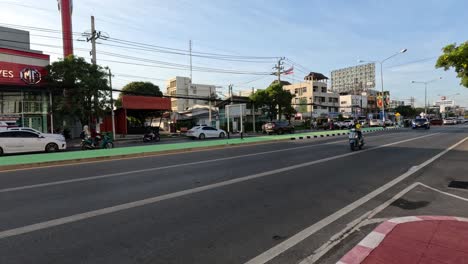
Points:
(357, 128)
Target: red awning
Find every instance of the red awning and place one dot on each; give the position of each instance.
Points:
(145, 103)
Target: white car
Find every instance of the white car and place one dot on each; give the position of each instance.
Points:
(5, 125)
(375, 123)
(450, 121)
(26, 141)
(59, 136)
(202, 132)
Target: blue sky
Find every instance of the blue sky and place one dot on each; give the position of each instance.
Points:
(319, 35)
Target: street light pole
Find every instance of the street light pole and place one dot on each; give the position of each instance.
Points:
(425, 91)
(382, 79)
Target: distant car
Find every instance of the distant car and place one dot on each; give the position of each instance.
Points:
(202, 132)
(375, 123)
(5, 125)
(450, 121)
(26, 141)
(436, 122)
(388, 122)
(59, 136)
(279, 127)
(363, 122)
(421, 123)
(346, 124)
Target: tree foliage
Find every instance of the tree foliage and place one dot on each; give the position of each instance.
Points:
(274, 101)
(406, 111)
(76, 83)
(455, 57)
(140, 89)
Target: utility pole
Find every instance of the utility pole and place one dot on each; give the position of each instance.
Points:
(190, 53)
(93, 36)
(112, 104)
(279, 67)
(209, 105)
(253, 113)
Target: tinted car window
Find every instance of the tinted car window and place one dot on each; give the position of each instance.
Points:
(25, 134)
(8, 134)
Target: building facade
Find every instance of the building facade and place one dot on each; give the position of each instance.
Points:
(24, 96)
(353, 105)
(183, 87)
(396, 103)
(354, 79)
(312, 98)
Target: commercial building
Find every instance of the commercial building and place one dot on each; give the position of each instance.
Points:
(197, 94)
(312, 98)
(353, 105)
(395, 103)
(354, 79)
(24, 96)
(445, 105)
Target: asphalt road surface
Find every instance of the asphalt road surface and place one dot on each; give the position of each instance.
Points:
(268, 203)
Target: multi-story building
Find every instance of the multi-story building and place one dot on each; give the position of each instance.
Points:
(197, 94)
(354, 79)
(445, 105)
(24, 95)
(312, 98)
(353, 105)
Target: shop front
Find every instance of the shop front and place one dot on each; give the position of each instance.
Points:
(24, 96)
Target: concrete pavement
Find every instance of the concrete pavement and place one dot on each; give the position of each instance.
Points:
(217, 206)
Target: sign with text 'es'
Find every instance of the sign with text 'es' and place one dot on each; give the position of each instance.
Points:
(21, 74)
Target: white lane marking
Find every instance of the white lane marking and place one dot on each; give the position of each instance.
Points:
(117, 208)
(446, 193)
(356, 224)
(297, 238)
(39, 185)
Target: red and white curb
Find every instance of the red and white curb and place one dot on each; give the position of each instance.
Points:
(360, 252)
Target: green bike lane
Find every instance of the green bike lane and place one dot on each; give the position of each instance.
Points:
(44, 158)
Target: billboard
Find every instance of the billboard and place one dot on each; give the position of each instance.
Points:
(21, 74)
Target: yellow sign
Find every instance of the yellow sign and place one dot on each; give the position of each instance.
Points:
(397, 114)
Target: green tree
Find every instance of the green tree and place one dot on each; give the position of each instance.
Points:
(406, 111)
(273, 100)
(140, 89)
(455, 57)
(75, 83)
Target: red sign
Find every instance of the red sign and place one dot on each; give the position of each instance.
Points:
(21, 74)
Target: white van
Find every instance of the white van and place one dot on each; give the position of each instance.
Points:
(5, 125)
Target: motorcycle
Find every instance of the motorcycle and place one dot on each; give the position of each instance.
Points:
(100, 142)
(152, 136)
(355, 142)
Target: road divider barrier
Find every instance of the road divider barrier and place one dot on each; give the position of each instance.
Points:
(334, 133)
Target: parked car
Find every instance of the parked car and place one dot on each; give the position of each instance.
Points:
(363, 122)
(388, 122)
(450, 121)
(346, 124)
(420, 123)
(375, 123)
(5, 125)
(25, 141)
(59, 136)
(279, 127)
(436, 122)
(202, 132)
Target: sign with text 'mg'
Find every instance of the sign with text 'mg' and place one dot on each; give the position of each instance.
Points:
(21, 74)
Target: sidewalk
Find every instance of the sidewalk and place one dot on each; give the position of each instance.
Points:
(421, 239)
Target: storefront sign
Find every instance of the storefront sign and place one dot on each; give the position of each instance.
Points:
(20, 74)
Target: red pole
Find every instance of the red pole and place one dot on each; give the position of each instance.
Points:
(67, 33)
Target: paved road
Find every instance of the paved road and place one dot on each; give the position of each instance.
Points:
(270, 203)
